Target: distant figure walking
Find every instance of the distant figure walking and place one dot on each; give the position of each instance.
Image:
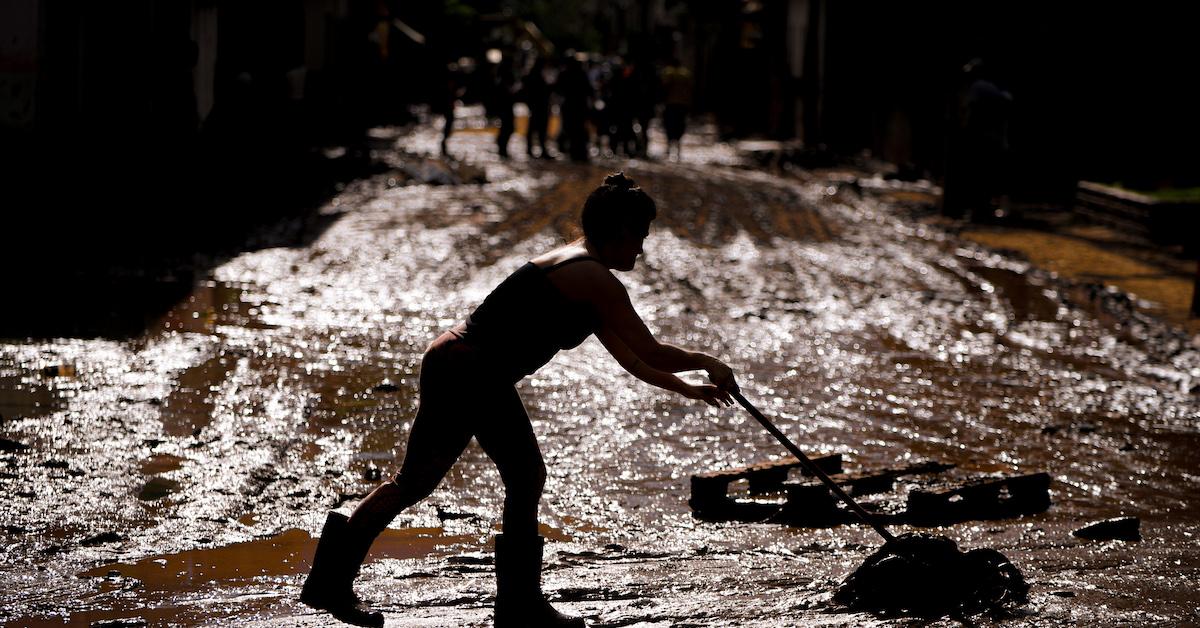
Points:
(501, 98)
(535, 91)
(621, 101)
(576, 91)
(677, 99)
(645, 96)
(551, 303)
(444, 100)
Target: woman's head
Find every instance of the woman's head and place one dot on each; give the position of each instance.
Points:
(616, 218)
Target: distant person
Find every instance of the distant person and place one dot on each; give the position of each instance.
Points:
(535, 92)
(576, 92)
(603, 110)
(977, 167)
(644, 96)
(500, 101)
(551, 303)
(677, 99)
(622, 99)
(444, 100)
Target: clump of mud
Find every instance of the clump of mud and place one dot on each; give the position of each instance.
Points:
(928, 576)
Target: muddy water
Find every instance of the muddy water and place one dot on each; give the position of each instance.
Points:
(178, 478)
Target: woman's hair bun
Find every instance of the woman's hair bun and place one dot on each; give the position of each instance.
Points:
(620, 181)
(615, 206)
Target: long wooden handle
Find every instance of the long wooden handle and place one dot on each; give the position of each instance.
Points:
(814, 469)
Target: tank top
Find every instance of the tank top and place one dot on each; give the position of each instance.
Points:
(525, 321)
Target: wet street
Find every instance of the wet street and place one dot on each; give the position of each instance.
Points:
(177, 478)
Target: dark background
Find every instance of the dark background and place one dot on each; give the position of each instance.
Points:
(137, 134)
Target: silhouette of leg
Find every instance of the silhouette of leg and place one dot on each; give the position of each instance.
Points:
(507, 437)
(437, 439)
(439, 435)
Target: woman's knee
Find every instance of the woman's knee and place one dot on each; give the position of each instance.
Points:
(415, 486)
(526, 482)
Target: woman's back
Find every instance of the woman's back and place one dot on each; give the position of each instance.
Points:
(526, 320)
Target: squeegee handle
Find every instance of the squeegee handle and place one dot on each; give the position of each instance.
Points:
(814, 469)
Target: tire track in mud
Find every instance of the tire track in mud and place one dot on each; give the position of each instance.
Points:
(693, 204)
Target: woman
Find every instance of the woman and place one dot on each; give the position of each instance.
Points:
(553, 302)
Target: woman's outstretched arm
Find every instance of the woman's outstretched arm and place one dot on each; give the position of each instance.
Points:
(620, 319)
(711, 395)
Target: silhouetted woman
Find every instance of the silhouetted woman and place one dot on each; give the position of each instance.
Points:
(553, 302)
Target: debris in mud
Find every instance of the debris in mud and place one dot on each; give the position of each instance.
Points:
(1120, 529)
(102, 538)
(447, 515)
(58, 370)
(984, 498)
(12, 445)
(472, 562)
(157, 488)
(470, 558)
(386, 386)
(130, 622)
(436, 171)
(928, 498)
(928, 576)
(710, 500)
(345, 497)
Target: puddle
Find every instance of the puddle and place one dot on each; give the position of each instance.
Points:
(286, 554)
(187, 410)
(210, 305)
(157, 488)
(161, 463)
(1028, 300)
(21, 396)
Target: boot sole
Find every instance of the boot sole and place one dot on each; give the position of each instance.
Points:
(342, 613)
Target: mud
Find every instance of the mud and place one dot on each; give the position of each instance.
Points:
(285, 385)
(929, 576)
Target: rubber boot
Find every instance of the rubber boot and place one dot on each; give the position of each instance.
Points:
(330, 583)
(519, 599)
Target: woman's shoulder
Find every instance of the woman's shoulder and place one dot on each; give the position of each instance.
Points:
(584, 278)
(561, 256)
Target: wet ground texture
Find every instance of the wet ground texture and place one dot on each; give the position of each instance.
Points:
(176, 478)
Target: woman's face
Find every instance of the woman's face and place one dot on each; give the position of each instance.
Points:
(628, 247)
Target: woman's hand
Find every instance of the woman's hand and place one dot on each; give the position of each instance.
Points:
(721, 375)
(709, 394)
